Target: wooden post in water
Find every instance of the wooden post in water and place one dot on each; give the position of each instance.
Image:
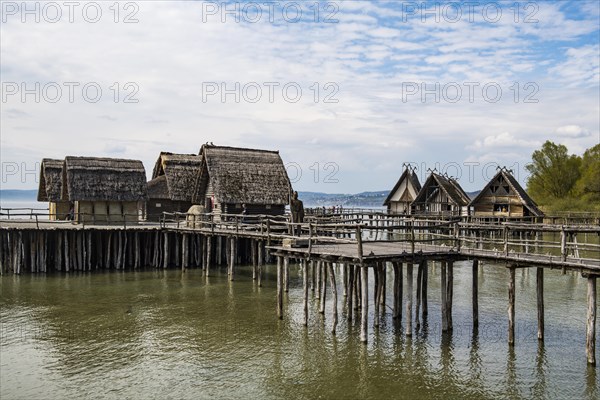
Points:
(232, 248)
(418, 305)
(424, 288)
(323, 286)
(395, 310)
(511, 306)
(365, 303)
(254, 255)
(334, 292)
(305, 287)
(286, 274)
(475, 293)
(383, 283)
(443, 286)
(279, 288)
(260, 262)
(319, 286)
(166, 251)
(184, 250)
(540, 302)
(409, 298)
(590, 343)
(350, 295)
(449, 293)
(312, 275)
(208, 253)
(376, 293)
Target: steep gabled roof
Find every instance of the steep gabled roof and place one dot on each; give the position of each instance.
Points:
(50, 187)
(103, 179)
(450, 186)
(241, 175)
(407, 174)
(516, 187)
(180, 172)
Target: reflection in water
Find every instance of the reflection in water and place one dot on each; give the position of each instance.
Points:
(166, 333)
(539, 387)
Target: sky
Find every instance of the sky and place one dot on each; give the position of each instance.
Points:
(347, 91)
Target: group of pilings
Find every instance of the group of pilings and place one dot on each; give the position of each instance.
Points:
(356, 290)
(65, 250)
(356, 294)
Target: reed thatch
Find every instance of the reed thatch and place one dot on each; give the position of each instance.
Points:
(50, 187)
(516, 188)
(409, 174)
(103, 179)
(241, 175)
(180, 172)
(157, 189)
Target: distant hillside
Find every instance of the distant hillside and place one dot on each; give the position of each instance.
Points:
(10, 194)
(364, 199)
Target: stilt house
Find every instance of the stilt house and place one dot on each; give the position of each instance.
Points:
(404, 193)
(104, 190)
(50, 189)
(441, 195)
(172, 184)
(230, 177)
(503, 196)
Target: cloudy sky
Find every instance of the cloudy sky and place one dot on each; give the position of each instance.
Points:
(347, 91)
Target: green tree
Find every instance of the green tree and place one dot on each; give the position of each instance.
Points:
(553, 173)
(588, 184)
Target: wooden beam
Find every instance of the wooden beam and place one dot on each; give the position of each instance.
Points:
(475, 293)
(279, 288)
(511, 306)
(590, 343)
(365, 303)
(409, 298)
(540, 302)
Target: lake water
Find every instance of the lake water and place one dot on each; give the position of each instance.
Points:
(167, 334)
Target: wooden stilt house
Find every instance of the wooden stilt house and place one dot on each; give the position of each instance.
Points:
(404, 193)
(441, 195)
(504, 197)
(172, 184)
(104, 190)
(230, 177)
(50, 189)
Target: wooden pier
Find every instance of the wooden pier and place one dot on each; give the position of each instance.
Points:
(356, 242)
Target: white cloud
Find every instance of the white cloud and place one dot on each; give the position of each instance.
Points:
(573, 131)
(502, 140)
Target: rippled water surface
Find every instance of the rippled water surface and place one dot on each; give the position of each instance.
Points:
(164, 334)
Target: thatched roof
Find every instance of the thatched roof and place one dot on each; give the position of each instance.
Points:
(157, 189)
(180, 171)
(50, 187)
(103, 179)
(451, 187)
(516, 187)
(407, 174)
(242, 175)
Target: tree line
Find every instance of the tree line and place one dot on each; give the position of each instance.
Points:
(560, 181)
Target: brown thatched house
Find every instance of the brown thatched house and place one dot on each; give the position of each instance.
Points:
(172, 185)
(441, 195)
(230, 177)
(404, 193)
(104, 190)
(50, 189)
(503, 196)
